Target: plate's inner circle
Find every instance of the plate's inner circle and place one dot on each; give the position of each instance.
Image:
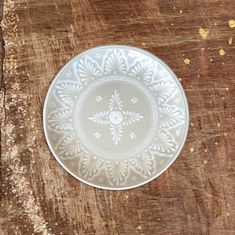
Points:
(116, 117)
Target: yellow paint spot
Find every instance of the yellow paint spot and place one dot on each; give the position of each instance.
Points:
(218, 124)
(231, 23)
(230, 40)
(215, 23)
(205, 150)
(205, 161)
(181, 11)
(143, 44)
(225, 134)
(226, 88)
(192, 124)
(203, 33)
(203, 49)
(187, 61)
(216, 143)
(180, 79)
(211, 60)
(172, 24)
(191, 150)
(221, 52)
(139, 227)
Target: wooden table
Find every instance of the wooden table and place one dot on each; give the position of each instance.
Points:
(196, 195)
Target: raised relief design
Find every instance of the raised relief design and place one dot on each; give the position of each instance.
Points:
(143, 163)
(86, 70)
(90, 166)
(170, 116)
(117, 171)
(61, 120)
(116, 117)
(134, 100)
(132, 135)
(69, 147)
(68, 92)
(99, 98)
(143, 70)
(115, 63)
(97, 135)
(164, 143)
(163, 90)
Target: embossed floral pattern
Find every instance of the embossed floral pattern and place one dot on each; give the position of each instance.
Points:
(135, 65)
(116, 118)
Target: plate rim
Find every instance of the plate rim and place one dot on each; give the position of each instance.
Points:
(93, 49)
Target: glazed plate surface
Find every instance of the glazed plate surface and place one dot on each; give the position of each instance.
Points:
(115, 117)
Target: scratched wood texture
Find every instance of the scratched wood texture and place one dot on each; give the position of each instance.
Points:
(196, 195)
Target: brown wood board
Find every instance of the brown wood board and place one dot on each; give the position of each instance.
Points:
(196, 195)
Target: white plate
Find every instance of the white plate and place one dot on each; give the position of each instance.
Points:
(115, 117)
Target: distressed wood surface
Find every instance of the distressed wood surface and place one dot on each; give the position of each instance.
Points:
(196, 195)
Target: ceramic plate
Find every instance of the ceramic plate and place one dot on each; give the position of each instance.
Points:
(115, 117)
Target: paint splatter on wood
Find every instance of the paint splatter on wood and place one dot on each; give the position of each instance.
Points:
(187, 61)
(231, 23)
(221, 52)
(204, 33)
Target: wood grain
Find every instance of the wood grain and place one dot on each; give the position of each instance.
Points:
(194, 196)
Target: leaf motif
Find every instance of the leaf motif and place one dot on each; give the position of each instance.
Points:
(60, 120)
(69, 148)
(170, 116)
(143, 163)
(86, 70)
(115, 63)
(100, 117)
(162, 90)
(90, 166)
(115, 102)
(68, 92)
(164, 143)
(131, 117)
(116, 132)
(143, 70)
(117, 172)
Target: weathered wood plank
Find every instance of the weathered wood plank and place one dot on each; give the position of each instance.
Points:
(194, 196)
